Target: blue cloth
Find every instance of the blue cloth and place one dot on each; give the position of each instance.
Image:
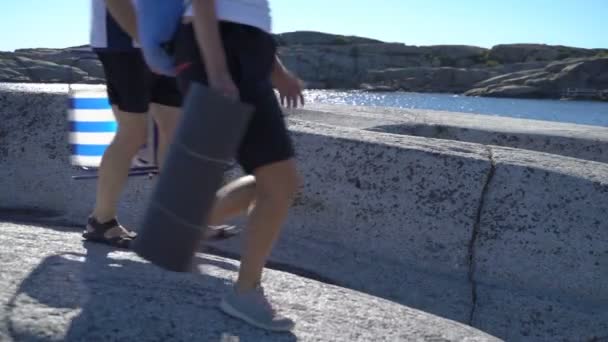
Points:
(157, 22)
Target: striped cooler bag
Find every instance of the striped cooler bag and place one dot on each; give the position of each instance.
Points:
(92, 127)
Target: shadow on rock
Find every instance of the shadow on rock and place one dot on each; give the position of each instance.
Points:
(105, 295)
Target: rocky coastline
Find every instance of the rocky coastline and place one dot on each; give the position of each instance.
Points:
(327, 61)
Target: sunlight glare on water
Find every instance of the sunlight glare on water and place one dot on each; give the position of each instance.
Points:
(581, 112)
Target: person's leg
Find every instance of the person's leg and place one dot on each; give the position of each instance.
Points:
(166, 118)
(265, 152)
(233, 199)
(276, 187)
(116, 162)
(125, 79)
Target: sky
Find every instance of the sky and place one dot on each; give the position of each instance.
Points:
(581, 23)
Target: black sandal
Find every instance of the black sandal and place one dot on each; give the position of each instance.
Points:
(221, 232)
(99, 230)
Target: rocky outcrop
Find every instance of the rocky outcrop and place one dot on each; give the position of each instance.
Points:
(327, 61)
(520, 53)
(319, 38)
(72, 65)
(428, 79)
(355, 64)
(553, 81)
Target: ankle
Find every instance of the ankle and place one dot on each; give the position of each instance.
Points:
(102, 218)
(243, 287)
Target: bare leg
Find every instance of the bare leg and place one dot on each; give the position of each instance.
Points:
(116, 162)
(276, 186)
(167, 119)
(233, 199)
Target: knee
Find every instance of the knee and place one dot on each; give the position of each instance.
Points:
(130, 139)
(167, 119)
(280, 190)
(166, 130)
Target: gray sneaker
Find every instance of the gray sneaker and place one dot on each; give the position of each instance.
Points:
(253, 308)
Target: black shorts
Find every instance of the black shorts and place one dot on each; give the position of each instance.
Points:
(132, 86)
(250, 54)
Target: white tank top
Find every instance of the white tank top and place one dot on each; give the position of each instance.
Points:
(254, 13)
(105, 33)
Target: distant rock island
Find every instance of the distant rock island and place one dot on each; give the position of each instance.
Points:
(327, 61)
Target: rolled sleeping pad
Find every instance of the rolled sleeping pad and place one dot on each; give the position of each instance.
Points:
(205, 142)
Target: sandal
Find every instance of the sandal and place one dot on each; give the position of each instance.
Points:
(221, 232)
(97, 231)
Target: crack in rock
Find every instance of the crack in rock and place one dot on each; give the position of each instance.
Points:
(476, 227)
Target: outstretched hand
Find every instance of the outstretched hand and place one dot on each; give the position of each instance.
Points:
(290, 89)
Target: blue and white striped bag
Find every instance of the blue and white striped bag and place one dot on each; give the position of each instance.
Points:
(92, 127)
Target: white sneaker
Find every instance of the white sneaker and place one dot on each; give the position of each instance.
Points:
(253, 307)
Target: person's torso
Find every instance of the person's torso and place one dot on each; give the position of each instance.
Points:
(105, 33)
(254, 13)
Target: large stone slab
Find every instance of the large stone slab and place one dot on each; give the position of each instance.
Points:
(522, 315)
(385, 214)
(54, 288)
(541, 254)
(578, 141)
(546, 218)
(513, 241)
(544, 226)
(35, 170)
(374, 206)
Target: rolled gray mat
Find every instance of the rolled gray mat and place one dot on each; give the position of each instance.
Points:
(205, 142)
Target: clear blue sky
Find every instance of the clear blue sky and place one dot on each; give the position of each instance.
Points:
(584, 23)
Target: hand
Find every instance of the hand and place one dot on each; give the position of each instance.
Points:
(222, 83)
(158, 61)
(290, 89)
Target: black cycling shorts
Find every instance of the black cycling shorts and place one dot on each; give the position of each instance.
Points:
(250, 53)
(131, 86)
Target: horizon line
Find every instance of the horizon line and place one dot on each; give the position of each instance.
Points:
(363, 37)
